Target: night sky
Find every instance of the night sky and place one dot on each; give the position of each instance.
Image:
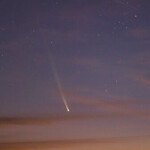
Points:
(91, 57)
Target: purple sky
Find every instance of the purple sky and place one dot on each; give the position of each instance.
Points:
(101, 52)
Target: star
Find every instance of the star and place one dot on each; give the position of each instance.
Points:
(116, 82)
(33, 30)
(98, 34)
(57, 3)
(126, 27)
(135, 16)
(106, 90)
(2, 29)
(51, 42)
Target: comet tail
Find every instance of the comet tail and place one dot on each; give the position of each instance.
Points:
(59, 86)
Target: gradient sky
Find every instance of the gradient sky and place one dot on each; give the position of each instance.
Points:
(100, 52)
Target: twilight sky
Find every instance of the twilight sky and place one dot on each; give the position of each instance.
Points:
(93, 55)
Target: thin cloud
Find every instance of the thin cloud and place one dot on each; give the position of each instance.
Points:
(109, 106)
(67, 143)
(140, 33)
(6, 122)
(142, 79)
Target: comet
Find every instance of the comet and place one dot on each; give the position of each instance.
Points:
(59, 85)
